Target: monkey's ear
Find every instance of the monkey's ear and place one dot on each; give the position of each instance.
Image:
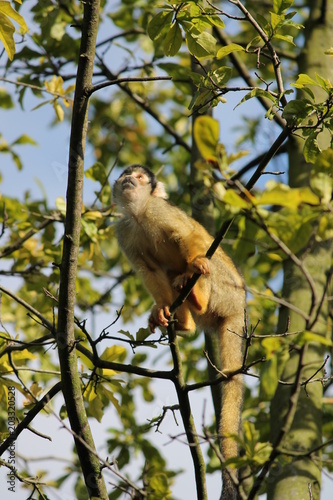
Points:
(159, 191)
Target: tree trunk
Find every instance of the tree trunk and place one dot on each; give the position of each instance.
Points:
(70, 379)
(297, 477)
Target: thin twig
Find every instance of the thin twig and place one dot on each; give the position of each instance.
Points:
(36, 87)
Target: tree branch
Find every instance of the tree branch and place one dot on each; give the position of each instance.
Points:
(15, 246)
(243, 72)
(187, 417)
(144, 104)
(275, 58)
(39, 406)
(71, 384)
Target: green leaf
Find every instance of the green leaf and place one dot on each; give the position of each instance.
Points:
(216, 21)
(173, 40)
(285, 38)
(178, 73)
(159, 23)
(257, 93)
(295, 111)
(200, 99)
(6, 101)
(269, 379)
(127, 334)
(95, 408)
(142, 334)
(228, 49)
(222, 75)
(281, 5)
(324, 83)
(97, 172)
(293, 227)
(311, 148)
(114, 353)
(90, 229)
(276, 354)
(206, 135)
(307, 336)
(303, 80)
(276, 19)
(199, 44)
(232, 198)
(160, 485)
(284, 196)
(322, 184)
(255, 41)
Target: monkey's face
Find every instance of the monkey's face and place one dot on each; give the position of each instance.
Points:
(134, 188)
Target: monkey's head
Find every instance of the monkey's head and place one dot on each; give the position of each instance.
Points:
(134, 187)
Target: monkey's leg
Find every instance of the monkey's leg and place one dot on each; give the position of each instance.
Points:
(199, 295)
(185, 324)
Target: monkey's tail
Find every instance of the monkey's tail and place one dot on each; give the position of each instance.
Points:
(231, 343)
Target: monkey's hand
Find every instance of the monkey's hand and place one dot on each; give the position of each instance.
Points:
(158, 317)
(199, 265)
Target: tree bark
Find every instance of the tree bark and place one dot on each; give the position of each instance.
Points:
(71, 383)
(293, 478)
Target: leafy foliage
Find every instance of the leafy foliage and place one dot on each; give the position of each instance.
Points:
(136, 119)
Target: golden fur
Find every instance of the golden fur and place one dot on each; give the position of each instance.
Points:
(166, 246)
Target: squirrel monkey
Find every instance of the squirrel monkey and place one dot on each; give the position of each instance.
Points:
(166, 247)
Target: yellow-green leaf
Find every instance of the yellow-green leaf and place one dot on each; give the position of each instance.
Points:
(269, 379)
(61, 204)
(114, 353)
(93, 215)
(96, 408)
(7, 10)
(307, 336)
(206, 135)
(59, 111)
(303, 80)
(228, 49)
(281, 195)
(7, 28)
(233, 199)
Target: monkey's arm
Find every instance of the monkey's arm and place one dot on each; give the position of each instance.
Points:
(192, 239)
(157, 283)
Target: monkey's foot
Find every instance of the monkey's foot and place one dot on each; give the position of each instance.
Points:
(180, 281)
(159, 316)
(184, 333)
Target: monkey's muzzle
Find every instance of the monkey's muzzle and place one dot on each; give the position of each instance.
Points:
(128, 182)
